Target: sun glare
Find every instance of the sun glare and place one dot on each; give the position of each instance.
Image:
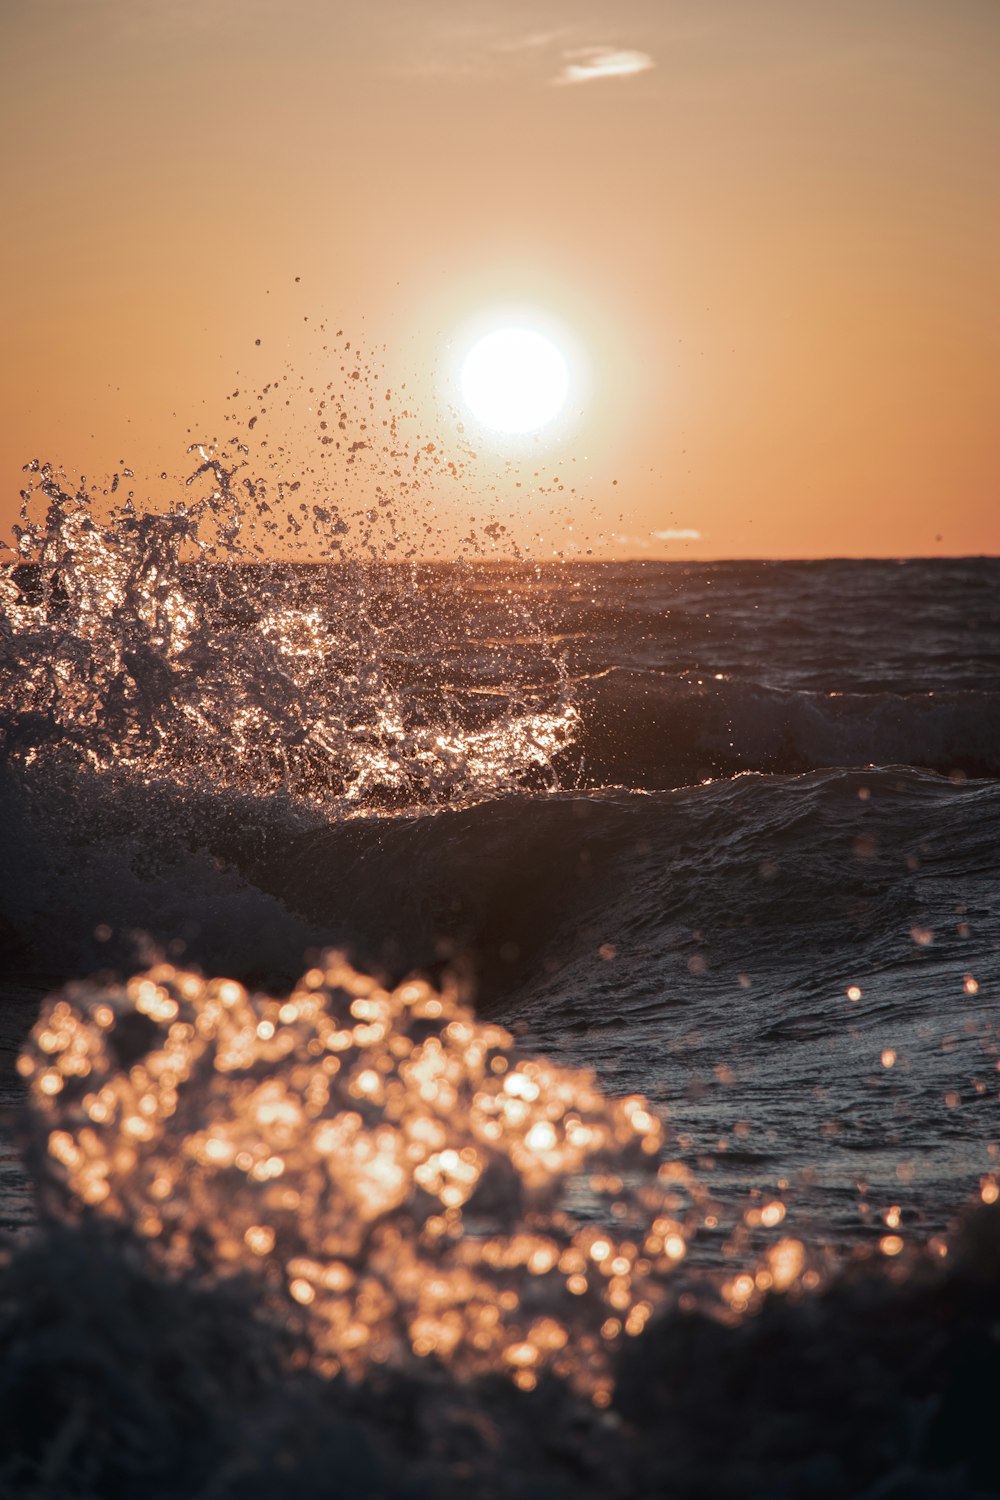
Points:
(514, 380)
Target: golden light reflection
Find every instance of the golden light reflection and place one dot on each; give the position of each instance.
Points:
(390, 1167)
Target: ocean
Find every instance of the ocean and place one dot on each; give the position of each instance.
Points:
(700, 857)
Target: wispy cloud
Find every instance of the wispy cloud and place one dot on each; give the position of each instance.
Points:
(585, 64)
(649, 539)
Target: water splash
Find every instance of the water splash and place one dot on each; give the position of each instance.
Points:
(159, 644)
(390, 1168)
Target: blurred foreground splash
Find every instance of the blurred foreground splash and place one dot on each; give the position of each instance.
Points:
(381, 1159)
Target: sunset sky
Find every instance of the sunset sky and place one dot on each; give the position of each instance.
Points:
(766, 233)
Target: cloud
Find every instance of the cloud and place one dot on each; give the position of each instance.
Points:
(587, 63)
(621, 540)
(650, 538)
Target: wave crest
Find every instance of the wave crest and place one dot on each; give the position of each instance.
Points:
(658, 730)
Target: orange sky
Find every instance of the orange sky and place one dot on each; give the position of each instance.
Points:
(775, 235)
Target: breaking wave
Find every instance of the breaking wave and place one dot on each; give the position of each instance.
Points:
(341, 689)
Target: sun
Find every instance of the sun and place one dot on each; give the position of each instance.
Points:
(514, 380)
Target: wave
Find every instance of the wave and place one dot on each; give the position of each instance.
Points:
(829, 870)
(745, 951)
(649, 729)
(525, 885)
